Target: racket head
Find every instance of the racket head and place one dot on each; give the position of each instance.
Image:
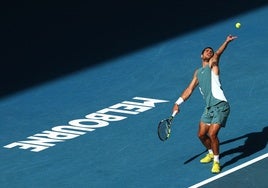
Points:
(164, 129)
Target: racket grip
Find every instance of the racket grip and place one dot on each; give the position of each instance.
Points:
(174, 113)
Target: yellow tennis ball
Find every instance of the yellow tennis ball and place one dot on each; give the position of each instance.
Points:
(238, 25)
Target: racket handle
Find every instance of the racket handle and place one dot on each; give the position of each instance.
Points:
(174, 113)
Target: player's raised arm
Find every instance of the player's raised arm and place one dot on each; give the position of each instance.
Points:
(225, 44)
(215, 59)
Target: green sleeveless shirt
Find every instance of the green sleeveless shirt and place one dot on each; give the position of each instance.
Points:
(210, 86)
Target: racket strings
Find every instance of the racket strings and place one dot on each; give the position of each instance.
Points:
(164, 130)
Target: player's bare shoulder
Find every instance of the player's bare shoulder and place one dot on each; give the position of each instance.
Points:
(195, 78)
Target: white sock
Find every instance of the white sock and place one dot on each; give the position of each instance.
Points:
(210, 151)
(217, 158)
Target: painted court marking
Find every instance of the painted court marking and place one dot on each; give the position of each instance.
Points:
(230, 171)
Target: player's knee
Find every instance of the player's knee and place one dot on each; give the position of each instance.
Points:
(201, 136)
(213, 136)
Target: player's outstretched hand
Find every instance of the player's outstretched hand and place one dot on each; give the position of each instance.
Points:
(230, 38)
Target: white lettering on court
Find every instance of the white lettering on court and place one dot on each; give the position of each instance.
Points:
(91, 122)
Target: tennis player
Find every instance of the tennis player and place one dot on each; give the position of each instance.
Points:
(217, 108)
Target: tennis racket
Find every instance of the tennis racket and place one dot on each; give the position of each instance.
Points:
(164, 128)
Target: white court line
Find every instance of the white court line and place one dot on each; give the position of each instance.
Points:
(229, 171)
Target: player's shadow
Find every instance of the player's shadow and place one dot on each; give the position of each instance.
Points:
(254, 142)
(194, 157)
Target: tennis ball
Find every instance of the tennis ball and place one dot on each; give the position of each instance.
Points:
(238, 25)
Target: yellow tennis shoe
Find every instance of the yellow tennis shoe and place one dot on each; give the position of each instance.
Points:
(216, 168)
(207, 159)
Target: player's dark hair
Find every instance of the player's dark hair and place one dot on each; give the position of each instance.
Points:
(207, 48)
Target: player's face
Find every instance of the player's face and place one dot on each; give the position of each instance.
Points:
(208, 53)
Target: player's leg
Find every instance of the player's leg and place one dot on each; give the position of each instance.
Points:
(203, 135)
(213, 134)
(220, 115)
(205, 139)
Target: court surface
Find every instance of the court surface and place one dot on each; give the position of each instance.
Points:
(137, 90)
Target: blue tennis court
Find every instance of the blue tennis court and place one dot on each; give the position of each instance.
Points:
(96, 126)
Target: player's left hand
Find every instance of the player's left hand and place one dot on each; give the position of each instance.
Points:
(230, 38)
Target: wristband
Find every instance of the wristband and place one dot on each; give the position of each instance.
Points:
(179, 101)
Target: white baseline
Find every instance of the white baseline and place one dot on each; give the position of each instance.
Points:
(230, 171)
